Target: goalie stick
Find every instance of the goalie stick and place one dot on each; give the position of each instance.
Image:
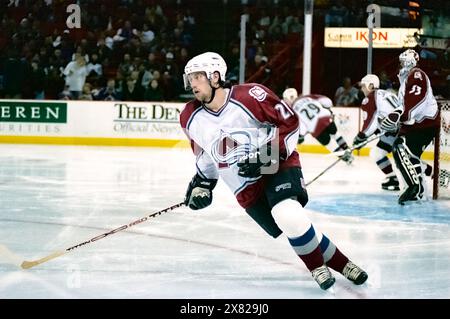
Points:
(28, 264)
(340, 153)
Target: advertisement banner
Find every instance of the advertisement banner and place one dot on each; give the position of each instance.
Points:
(88, 119)
(123, 123)
(37, 112)
(387, 38)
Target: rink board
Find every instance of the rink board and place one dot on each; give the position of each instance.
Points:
(114, 123)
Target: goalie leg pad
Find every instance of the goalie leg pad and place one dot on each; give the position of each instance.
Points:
(407, 163)
(411, 169)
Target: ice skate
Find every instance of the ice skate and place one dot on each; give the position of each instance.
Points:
(354, 273)
(391, 184)
(323, 277)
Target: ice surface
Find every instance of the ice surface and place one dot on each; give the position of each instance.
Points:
(53, 197)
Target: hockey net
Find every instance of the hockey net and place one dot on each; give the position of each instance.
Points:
(441, 178)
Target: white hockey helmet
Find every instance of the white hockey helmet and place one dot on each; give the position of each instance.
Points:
(289, 95)
(371, 79)
(408, 59)
(208, 62)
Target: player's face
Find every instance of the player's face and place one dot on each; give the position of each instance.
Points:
(200, 86)
(365, 90)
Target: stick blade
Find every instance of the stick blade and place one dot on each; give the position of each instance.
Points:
(28, 264)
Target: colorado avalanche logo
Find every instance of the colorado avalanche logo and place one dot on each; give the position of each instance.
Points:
(258, 93)
(229, 147)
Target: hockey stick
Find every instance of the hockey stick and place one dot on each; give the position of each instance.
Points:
(32, 263)
(323, 172)
(340, 153)
(358, 146)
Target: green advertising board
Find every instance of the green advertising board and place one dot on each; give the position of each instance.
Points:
(37, 112)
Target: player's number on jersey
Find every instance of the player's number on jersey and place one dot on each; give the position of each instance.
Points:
(392, 100)
(310, 110)
(415, 89)
(284, 110)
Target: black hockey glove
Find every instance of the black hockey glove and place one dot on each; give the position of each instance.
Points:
(391, 122)
(199, 192)
(347, 156)
(301, 139)
(250, 164)
(359, 140)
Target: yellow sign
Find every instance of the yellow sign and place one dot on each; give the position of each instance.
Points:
(387, 38)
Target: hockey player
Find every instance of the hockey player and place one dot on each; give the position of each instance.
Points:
(247, 136)
(316, 118)
(417, 122)
(377, 104)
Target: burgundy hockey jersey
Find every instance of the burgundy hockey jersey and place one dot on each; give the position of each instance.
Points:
(420, 106)
(251, 116)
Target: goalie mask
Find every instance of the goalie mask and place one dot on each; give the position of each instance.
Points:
(209, 63)
(408, 59)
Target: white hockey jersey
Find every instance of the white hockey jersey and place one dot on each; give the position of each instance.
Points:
(251, 116)
(375, 107)
(314, 113)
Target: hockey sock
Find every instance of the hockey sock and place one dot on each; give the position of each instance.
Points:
(384, 164)
(341, 142)
(307, 248)
(332, 256)
(336, 143)
(292, 220)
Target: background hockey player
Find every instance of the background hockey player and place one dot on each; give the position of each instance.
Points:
(417, 122)
(248, 136)
(378, 104)
(316, 118)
